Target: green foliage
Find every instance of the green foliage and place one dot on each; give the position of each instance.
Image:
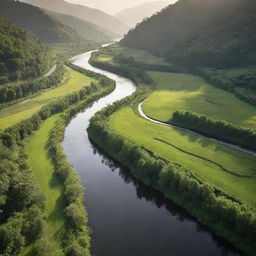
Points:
(215, 128)
(210, 33)
(21, 55)
(21, 204)
(15, 91)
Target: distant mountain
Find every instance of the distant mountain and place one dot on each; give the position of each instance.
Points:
(132, 16)
(86, 29)
(21, 55)
(201, 33)
(37, 22)
(94, 16)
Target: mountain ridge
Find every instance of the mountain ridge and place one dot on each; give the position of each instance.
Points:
(37, 22)
(132, 16)
(83, 12)
(84, 28)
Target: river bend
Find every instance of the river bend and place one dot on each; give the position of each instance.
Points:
(126, 217)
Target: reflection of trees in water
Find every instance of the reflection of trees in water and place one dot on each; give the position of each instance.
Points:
(157, 198)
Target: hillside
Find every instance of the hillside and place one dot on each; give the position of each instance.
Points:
(82, 12)
(201, 33)
(84, 28)
(132, 16)
(37, 22)
(21, 55)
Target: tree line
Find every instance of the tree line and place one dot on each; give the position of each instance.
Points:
(22, 219)
(229, 218)
(217, 129)
(15, 91)
(21, 203)
(77, 241)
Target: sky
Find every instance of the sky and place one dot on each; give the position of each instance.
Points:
(111, 6)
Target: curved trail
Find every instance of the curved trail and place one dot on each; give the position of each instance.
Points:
(52, 70)
(141, 112)
(126, 217)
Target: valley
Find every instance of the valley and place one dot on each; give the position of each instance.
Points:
(129, 133)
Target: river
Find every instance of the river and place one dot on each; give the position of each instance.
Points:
(126, 217)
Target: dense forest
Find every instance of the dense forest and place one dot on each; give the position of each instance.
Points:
(21, 55)
(38, 22)
(223, 35)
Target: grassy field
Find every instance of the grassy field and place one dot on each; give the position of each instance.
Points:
(189, 92)
(138, 55)
(231, 171)
(48, 182)
(14, 114)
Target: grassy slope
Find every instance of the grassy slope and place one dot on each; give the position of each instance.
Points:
(138, 55)
(21, 111)
(48, 182)
(188, 92)
(237, 180)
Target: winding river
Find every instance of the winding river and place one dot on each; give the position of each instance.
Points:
(126, 217)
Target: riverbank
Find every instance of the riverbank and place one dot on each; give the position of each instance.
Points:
(125, 121)
(175, 182)
(63, 230)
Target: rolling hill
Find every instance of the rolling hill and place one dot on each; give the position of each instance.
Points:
(82, 12)
(132, 16)
(201, 33)
(84, 28)
(21, 55)
(37, 22)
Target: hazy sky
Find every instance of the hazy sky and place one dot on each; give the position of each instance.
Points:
(111, 6)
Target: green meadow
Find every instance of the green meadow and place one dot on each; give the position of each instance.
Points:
(227, 169)
(48, 182)
(21, 111)
(191, 93)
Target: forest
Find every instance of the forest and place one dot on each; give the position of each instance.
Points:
(22, 56)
